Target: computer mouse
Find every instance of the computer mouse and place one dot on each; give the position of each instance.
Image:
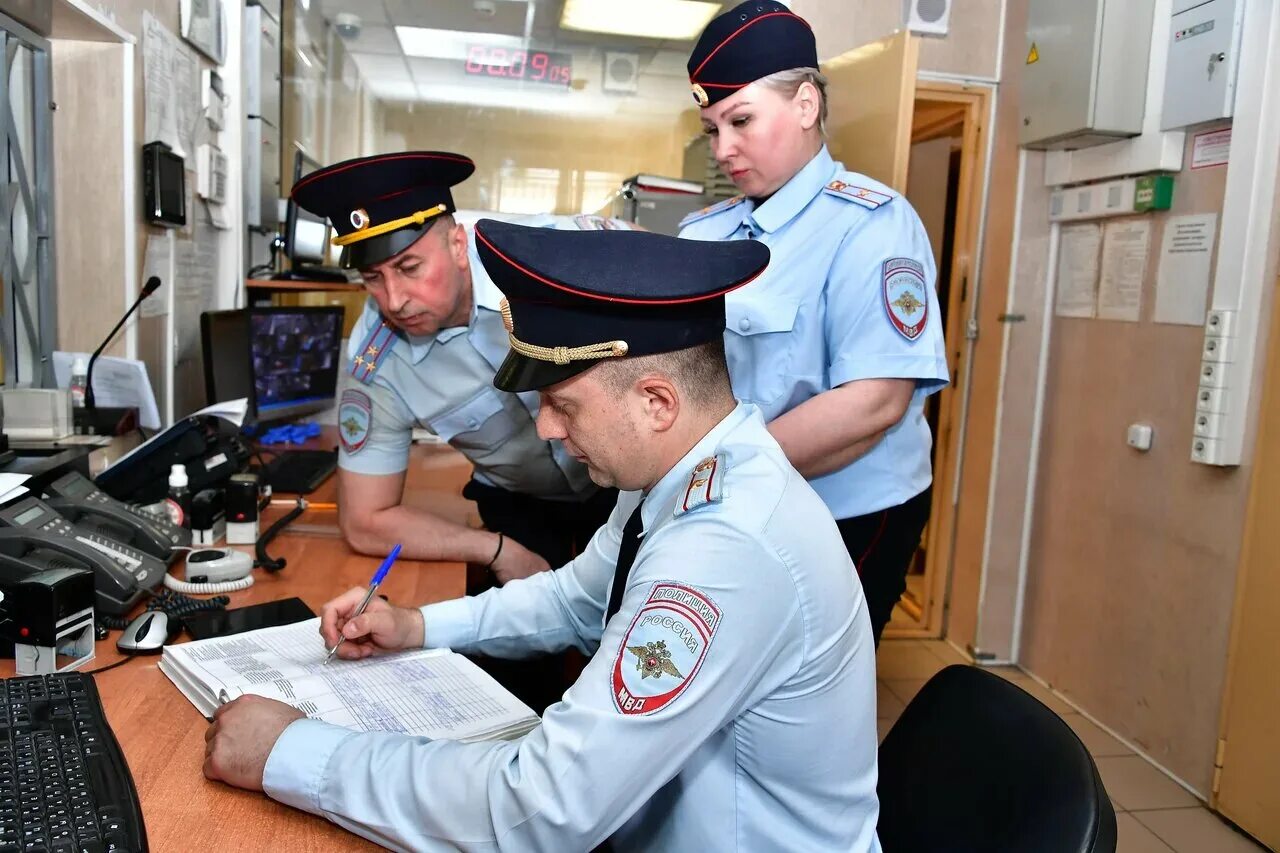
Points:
(145, 635)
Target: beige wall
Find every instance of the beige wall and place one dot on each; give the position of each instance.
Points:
(86, 310)
(969, 49)
(1133, 556)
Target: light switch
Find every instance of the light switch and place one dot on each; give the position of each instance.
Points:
(1139, 437)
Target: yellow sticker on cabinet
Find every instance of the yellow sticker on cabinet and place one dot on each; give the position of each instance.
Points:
(1033, 55)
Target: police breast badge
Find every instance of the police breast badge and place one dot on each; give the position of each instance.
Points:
(906, 296)
(664, 648)
(355, 415)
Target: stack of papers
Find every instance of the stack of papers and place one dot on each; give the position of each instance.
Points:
(11, 486)
(433, 693)
(120, 382)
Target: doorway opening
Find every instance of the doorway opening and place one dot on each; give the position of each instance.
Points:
(945, 177)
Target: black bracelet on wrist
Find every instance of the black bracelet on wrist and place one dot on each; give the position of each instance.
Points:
(489, 564)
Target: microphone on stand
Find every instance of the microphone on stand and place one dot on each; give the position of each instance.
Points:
(90, 403)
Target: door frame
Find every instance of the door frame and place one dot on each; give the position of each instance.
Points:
(974, 123)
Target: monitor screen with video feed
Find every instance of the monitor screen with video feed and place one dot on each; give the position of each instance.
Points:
(294, 356)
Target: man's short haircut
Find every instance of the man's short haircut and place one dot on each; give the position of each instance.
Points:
(701, 372)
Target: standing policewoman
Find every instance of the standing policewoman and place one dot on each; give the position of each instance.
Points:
(840, 342)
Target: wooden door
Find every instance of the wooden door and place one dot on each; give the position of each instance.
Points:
(1247, 781)
(871, 100)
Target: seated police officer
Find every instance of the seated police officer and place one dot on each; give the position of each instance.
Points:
(423, 353)
(729, 702)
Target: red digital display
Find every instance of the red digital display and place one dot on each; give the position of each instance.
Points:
(537, 66)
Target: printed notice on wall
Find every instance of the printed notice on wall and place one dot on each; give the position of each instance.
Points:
(170, 88)
(1077, 280)
(1211, 148)
(1124, 265)
(1182, 283)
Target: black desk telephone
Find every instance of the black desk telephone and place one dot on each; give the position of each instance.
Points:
(34, 536)
(80, 502)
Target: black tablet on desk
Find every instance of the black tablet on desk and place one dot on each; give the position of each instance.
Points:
(223, 623)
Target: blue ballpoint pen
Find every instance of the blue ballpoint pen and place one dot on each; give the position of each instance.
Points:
(373, 587)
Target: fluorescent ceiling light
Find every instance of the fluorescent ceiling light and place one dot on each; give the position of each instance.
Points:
(660, 19)
(449, 44)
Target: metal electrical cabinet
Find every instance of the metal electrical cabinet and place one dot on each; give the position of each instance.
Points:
(1204, 48)
(262, 106)
(1085, 81)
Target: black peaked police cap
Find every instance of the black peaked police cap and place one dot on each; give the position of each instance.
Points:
(750, 41)
(574, 298)
(379, 206)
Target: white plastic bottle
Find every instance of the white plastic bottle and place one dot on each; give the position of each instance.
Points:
(178, 501)
(79, 381)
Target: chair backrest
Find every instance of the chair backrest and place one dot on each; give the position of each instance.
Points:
(975, 764)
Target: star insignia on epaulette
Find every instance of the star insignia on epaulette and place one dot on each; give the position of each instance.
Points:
(358, 361)
(653, 660)
(372, 350)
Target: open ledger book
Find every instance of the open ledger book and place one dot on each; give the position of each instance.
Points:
(433, 693)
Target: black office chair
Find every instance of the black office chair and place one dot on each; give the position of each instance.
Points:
(975, 764)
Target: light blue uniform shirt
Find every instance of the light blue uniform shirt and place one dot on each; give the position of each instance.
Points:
(728, 705)
(848, 295)
(395, 381)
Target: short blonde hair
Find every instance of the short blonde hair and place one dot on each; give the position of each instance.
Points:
(789, 82)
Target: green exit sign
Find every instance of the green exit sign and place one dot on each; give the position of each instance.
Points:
(1153, 192)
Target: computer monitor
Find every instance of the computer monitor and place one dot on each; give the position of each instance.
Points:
(306, 236)
(224, 343)
(294, 359)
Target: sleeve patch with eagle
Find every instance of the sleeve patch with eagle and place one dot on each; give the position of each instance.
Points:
(664, 648)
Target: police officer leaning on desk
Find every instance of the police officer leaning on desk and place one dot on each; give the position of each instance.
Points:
(840, 342)
(729, 702)
(423, 352)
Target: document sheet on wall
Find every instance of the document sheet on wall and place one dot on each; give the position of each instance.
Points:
(1077, 273)
(433, 693)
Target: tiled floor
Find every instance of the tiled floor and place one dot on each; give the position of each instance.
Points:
(1154, 814)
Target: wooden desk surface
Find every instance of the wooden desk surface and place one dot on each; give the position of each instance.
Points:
(162, 734)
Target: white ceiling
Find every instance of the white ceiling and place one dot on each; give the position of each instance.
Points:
(661, 87)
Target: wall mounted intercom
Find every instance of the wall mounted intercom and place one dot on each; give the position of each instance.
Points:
(164, 185)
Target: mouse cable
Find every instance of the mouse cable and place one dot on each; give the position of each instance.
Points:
(265, 560)
(124, 660)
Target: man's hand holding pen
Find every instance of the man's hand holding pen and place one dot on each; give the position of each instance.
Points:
(382, 627)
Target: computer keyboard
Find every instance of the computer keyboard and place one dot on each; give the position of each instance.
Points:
(64, 783)
(300, 471)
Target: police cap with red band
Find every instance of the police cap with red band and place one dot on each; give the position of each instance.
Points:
(750, 41)
(380, 205)
(574, 298)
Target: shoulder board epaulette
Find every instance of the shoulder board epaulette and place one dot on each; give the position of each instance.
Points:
(372, 351)
(706, 485)
(712, 210)
(592, 222)
(868, 198)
